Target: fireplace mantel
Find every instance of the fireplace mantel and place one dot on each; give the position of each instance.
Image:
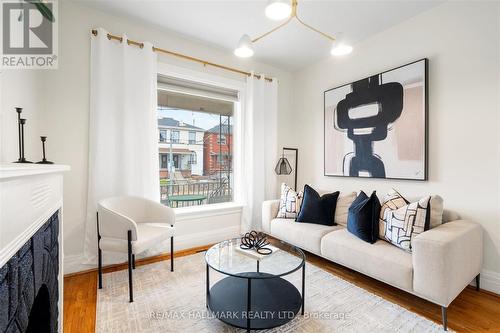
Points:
(30, 194)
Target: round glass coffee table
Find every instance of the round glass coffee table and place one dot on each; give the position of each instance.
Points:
(254, 295)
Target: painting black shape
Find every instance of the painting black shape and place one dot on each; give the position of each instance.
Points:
(377, 127)
(388, 100)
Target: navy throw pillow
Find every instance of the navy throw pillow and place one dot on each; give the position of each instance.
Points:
(363, 217)
(318, 209)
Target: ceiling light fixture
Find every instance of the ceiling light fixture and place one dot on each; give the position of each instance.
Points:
(244, 48)
(277, 10)
(340, 49)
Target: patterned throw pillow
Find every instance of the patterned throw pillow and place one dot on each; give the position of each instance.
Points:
(400, 221)
(289, 203)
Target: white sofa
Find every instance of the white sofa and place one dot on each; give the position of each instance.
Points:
(444, 260)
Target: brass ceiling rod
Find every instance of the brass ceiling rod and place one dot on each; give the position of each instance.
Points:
(294, 15)
(183, 56)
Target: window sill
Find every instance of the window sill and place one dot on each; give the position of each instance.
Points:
(195, 212)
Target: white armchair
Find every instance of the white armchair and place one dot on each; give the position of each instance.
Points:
(132, 225)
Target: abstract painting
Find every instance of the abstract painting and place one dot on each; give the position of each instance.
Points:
(377, 127)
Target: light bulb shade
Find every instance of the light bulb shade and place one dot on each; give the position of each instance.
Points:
(244, 48)
(278, 9)
(283, 167)
(340, 49)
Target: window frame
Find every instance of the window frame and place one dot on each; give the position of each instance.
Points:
(236, 135)
(192, 141)
(166, 135)
(161, 157)
(175, 140)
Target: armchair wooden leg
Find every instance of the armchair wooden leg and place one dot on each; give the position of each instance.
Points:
(172, 253)
(444, 314)
(478, 281)
(99, 253)
(133, 261)
(131, 293)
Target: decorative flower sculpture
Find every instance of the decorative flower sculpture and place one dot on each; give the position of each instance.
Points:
(256, 241)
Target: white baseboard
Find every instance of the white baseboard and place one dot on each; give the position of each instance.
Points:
(490, 281)
(76, 263)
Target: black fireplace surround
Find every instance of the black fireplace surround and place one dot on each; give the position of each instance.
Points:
(29, 289)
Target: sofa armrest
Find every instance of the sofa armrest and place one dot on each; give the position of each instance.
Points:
(269, 211)
(446, 259)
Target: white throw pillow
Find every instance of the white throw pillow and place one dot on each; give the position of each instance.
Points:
(289, 203)
(400, 221)
(437, 208)
(342, 210)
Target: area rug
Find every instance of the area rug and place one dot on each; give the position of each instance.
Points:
(175, 302)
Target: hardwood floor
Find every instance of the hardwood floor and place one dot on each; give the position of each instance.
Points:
(471, 311)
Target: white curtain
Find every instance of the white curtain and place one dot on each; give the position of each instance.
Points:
(259, 126)
(123, 130)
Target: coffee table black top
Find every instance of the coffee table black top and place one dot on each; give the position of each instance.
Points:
(226, 258)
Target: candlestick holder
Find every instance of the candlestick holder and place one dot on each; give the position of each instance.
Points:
(44, 160)
(20, 127)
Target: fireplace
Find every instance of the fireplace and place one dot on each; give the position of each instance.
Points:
(39, 318)
(29, 286)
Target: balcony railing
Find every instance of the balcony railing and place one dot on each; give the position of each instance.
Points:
(195, 193)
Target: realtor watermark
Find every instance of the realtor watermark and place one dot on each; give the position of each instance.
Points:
(205, 314)
(29, 37)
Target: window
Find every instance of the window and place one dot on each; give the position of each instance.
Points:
(192, 137)
(163, 161)
(204, 137)
(163, 135)
(192, 158)
(175, 136)
(221, 139)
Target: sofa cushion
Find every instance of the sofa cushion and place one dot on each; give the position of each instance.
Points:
(381, 260)
(437, 216)
(344, 201)
(401, 221)
(343, 204)
(318, 209)
(364, 214)
(437, 207)
(289, 203)
(307, 236)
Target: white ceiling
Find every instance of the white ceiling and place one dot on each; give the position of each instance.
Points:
(223, 22)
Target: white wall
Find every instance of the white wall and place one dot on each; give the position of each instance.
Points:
(461, 40)
(67, 104)
(21, 88)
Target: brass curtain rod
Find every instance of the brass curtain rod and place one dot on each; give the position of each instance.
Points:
(183, 56)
